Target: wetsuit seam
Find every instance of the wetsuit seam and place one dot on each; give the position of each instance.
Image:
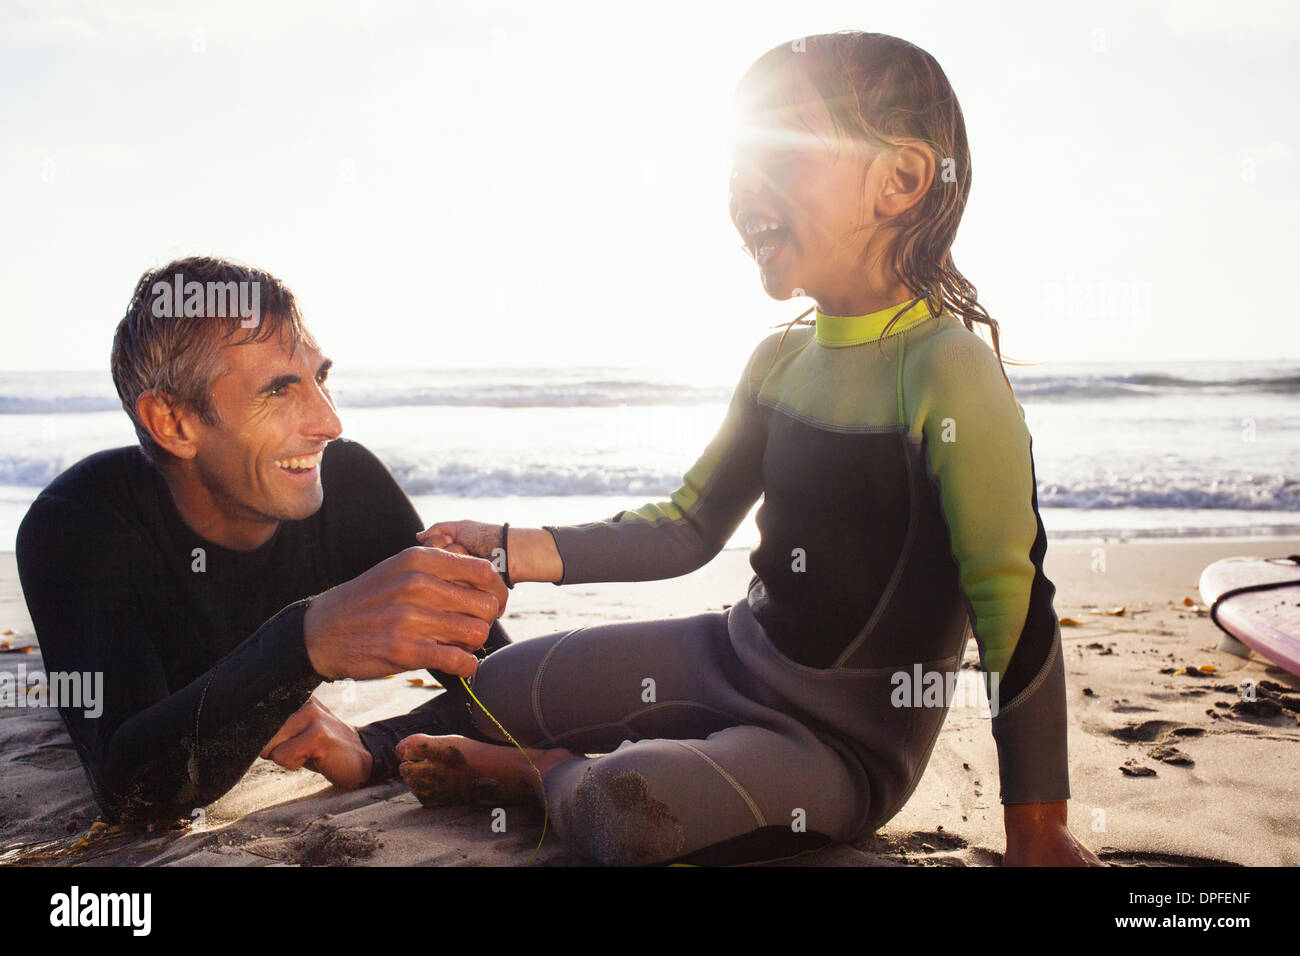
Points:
(685, 519)
(623, 722)
(789, 412)
(198, 714)
(901, 801)
(537, 682)
(1039, 678)
(735, 784)
(842, 673)
(904, 556)
(779, 362)
(556, 542)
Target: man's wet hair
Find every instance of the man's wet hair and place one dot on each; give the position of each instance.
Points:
(158, 348)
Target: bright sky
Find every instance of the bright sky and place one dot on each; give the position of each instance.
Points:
(476, 183)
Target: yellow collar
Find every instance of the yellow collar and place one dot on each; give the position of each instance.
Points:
(841, 330)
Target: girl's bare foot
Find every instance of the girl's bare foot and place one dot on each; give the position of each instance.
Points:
(448, 771)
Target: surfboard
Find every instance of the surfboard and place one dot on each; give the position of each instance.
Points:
(1257, 601)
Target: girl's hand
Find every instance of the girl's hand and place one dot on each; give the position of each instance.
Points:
(533, 552)
(463, 537)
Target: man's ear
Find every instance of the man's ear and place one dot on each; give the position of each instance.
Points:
(168, 423)
(906, 175)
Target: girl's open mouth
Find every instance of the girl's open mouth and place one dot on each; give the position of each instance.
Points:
(766, 238)
(768, 246)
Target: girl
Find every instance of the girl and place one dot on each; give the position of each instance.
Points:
(899, 514)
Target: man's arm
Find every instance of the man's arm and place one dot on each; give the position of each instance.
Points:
(422, 608)
(149, 753)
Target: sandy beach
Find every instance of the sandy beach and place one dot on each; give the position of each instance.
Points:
(1167, 769)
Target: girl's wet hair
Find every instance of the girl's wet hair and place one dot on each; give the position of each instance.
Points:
(880, 90)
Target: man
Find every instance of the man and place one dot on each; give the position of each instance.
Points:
(184, 570)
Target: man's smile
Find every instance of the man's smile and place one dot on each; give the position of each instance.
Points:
(302, 466)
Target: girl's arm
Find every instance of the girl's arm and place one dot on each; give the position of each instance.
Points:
(658, 540)
(979, 453)
(529, 554)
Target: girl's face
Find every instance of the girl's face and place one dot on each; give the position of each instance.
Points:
(799, 200)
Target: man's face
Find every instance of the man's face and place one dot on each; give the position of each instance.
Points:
(262, 462)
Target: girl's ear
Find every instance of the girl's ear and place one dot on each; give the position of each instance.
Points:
(906, 174)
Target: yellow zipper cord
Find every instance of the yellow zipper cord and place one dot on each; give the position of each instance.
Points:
(546, 811)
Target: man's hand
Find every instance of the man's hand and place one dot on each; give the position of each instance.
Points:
(1037, 835)
(317, 739)
(422, 608)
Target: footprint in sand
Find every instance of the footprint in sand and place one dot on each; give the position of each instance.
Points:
(318, 845)
(1131, 768)
(1163, 733)
(1170, 755)
(1148, 731)
(928, 848)
(1122, 706)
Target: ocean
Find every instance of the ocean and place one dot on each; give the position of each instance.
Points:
(1132, 449)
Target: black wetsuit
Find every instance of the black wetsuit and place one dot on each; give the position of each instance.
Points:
(200, 667)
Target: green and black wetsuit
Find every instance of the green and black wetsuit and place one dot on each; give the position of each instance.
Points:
(899, 514)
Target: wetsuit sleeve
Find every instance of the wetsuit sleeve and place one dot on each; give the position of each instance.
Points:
(677, 536)
(979, 451)
(150, 753)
